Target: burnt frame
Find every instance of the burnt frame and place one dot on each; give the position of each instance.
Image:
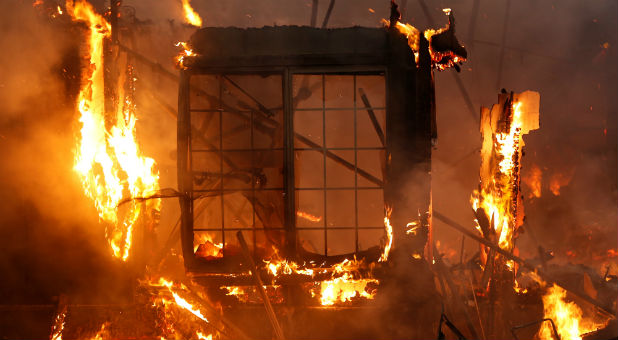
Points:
(409, 108)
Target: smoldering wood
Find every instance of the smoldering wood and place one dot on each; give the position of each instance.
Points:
(524, 263)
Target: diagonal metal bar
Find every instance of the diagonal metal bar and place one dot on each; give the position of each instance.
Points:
(372, 115)
(328, 12)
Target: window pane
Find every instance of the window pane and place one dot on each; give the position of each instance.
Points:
(337, 174)
(309, 169)
(310, 208)
(308, 126)
(340, 211)
(339, 91)
(372, 162)
(340, 242)
(370, 208)
(339, 129)
(307, 91)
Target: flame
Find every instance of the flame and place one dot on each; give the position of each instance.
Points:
(180, 301)
(187, 51)
(307, 216)
(496, 197)
(204, 246)
(389, 236)
(201, 336)
(344, 288)
(191, 16)
(108, 160)
(58, 326)
(567, 316)
(413, 36)
(534, 180)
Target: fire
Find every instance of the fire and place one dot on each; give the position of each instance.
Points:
(190, 15)
(498, 198)
(180, 301)
(187, 51)
(201, 336)
(389, 236)
(307, 216)
(567, 316)
(204, 246)
(439, 60)
(108, 159)
(344, 288)
(58, 326)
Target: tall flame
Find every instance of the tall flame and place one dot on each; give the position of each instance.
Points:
(190, 15)
(108, 159)
(567, 316)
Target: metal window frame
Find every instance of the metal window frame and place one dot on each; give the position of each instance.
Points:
(227, 264)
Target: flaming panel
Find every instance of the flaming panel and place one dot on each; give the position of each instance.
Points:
(108, 158)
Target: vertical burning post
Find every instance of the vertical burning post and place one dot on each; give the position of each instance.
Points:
(108, 159)
(497, 203)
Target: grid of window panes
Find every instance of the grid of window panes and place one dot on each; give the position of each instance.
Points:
(339, 126)
(237, 160)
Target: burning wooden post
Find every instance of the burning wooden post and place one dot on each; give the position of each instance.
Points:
(497, 203)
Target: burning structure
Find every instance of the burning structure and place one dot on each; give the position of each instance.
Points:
(303, 162)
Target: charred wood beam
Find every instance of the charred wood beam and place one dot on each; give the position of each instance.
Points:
(260, 286)
(372, 116)
(522, 262)
(328, 12)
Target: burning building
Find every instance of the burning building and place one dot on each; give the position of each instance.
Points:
(309, 185)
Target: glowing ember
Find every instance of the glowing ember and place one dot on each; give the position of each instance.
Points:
(190, 15)
(307, 216)
(567, 316)
(108, 159)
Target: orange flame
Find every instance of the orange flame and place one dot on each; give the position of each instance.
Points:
(567, 316)
(307, 216)
(204, 246)
(559, 180)
(108, 159)
(190, 15)
(389, 236)
(58, 326)
(187, 51)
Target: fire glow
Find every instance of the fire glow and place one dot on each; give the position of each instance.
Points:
(108, 158)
